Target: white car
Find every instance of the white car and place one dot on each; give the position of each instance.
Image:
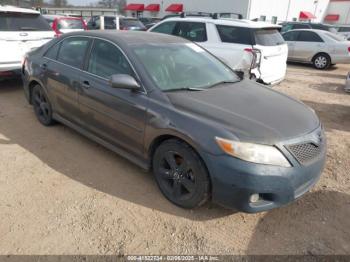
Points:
(254, 48)
(321, 48)
(21, 30)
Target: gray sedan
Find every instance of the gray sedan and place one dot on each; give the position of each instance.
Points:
(321, 48)
(169, 106)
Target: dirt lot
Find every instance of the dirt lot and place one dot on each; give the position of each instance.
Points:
(60, 193)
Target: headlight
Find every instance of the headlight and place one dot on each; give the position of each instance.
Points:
(255, 153)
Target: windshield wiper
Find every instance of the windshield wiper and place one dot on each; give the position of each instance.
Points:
(222, 82)
(184, 89)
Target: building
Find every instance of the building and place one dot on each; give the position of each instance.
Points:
(269, 10)
(338, 12)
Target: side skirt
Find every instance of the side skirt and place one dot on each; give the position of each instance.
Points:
(144, 164)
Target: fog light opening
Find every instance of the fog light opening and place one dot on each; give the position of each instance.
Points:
(254, 198)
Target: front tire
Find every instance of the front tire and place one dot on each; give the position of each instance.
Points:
(321, 61)
(42, 106)
(181, 174)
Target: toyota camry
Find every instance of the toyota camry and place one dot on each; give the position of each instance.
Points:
(171, 107)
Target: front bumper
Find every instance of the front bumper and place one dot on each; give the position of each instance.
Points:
(234, 181)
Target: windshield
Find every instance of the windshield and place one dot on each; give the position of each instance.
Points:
(70, 24)
(268, 37)
(23, 22)
(178, 66)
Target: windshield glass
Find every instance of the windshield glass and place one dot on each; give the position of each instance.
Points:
(70, 24)
(268, 37)
(177, 66)
(23, 22)
(131, 23)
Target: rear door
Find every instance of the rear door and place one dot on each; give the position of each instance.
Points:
(307, 45)
(290, 38)
(234, 46)
(113, 114)
(63, 75)
(274, 54)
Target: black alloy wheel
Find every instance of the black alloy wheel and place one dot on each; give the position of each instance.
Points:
(42, 106)
(180, 174)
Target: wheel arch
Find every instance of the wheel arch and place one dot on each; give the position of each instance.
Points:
(157, 141)
(321, 53)
(31, 85)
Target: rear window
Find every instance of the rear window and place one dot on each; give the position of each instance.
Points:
(268, 37)
(70, 24)
(23, 22)
(237, 35)
(344, 29)
(131, 23)
(335, 37)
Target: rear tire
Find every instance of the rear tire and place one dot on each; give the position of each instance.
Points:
(42, 106)
(180, 174)
(321, 61)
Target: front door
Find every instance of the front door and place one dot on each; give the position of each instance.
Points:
(115, 115)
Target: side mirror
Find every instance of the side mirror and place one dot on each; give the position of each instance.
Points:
(125, 82)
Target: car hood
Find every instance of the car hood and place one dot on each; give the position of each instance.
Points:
(250, 111)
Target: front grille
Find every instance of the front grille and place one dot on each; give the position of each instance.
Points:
(306, 152)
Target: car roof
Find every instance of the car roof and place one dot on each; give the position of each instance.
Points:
(308, 30)
(126, 38)
(13, 9)
(226, 21)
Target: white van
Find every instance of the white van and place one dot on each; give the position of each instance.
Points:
(21, 30)
(255, 48)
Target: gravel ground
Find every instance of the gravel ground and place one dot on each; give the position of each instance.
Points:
(60, 193)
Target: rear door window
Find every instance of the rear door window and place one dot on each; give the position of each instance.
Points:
(23, 22)
(268, 37)
(72, 51)
(53, 51)
(305, 36)
(291, 36)
(165, 28)
(237, 35)
(193, 31)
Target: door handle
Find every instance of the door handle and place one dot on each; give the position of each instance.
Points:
(43, 67)
(86, 84)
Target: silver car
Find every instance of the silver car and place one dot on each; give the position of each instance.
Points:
(321, 48)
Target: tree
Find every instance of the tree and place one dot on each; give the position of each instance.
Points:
(113, 4)
(59, 3)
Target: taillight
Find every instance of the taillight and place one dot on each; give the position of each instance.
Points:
(349, 49)
(256, 57)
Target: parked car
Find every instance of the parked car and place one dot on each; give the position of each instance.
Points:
(344, 30)
(255, 49)
(125, 23)
(148, 22)
(65, 24)
(287, 26)
(169, 106)
(321, 48)
(20, 31)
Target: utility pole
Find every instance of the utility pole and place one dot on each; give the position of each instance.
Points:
(288, 10)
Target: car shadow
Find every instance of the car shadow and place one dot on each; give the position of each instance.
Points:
(329, 87)
(83, 160)
(282, 231)
(310, 66)
(333, 116)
